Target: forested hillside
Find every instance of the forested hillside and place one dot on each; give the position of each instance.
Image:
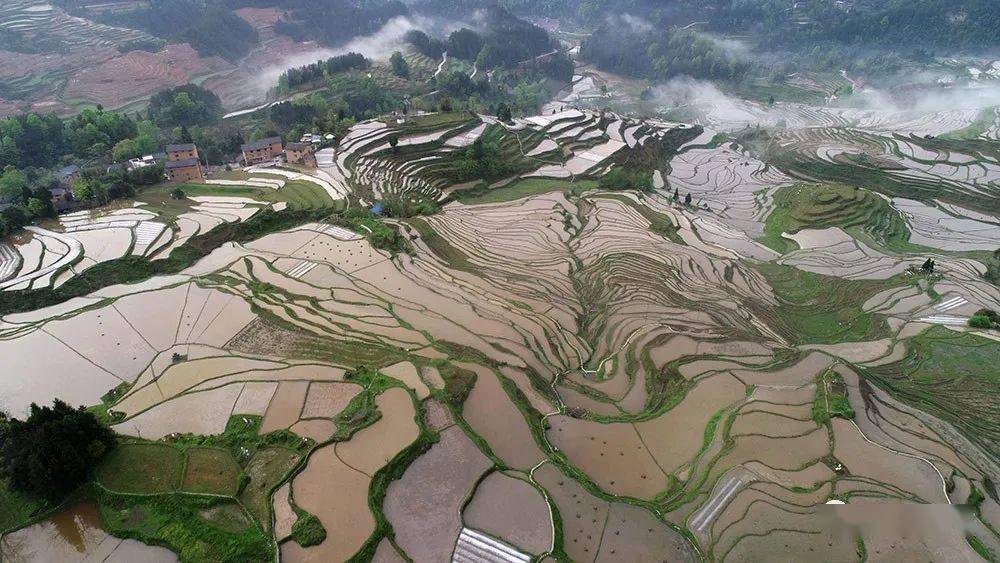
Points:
(331, 22)
(968, 25)
(640, 50)
(499, 39)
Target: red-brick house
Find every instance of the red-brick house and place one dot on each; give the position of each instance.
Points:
(183, 151)
(262, 150)
(187, 170)
(300, 153)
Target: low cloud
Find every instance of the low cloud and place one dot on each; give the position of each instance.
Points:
(632, 23)
(972, 96)
(702, 102)
(698, 101)
(733, 47)
(377, 46)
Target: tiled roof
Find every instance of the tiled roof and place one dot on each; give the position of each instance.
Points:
(186, 163)
(263, 143)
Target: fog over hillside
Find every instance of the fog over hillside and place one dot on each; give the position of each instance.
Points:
(377, 46)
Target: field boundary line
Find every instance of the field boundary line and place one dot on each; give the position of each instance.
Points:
(944, 482)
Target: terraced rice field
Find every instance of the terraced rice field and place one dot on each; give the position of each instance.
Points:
(52, 254)
(88, 63)
(555, 369)
(33, 17)
(85, 63)
(139, 74)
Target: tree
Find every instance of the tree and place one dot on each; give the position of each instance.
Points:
(464, 44)
(687, 199)
(482, 160)
(37, 207)
(993, 267)
(529, 96)
(177, 193)
(928, 266)
(446, 105)
(13, 184)
(91, 133)
(504, 113)
(317, 71)
(394, 142)
(53, 451)
(658, 54)
(92, 191)
(424, 44)
(399, 65)
(125, 150)
(677, 195)
(83, 190)
(42, 194)
(9, 153)
(145, 144)
(32, 140)
(15, 217)
(185, 105)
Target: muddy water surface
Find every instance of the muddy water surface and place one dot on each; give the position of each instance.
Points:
(75, 534)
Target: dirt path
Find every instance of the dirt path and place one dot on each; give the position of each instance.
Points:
(444, 60)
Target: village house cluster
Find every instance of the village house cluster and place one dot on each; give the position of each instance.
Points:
(182, 163)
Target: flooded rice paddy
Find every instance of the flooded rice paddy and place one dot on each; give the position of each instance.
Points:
(577, 373)
(76, 534)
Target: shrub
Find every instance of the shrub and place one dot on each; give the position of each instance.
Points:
(308, 530)
(621, 178)
(990, 314)
(482, 160)
(980, 321)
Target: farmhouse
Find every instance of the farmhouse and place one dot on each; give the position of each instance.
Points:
(300, 153)
(183, 151)
(148, 160)
(60, 194)
(187, 170)
(62, 198)
(67, 175)
(262, 150)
